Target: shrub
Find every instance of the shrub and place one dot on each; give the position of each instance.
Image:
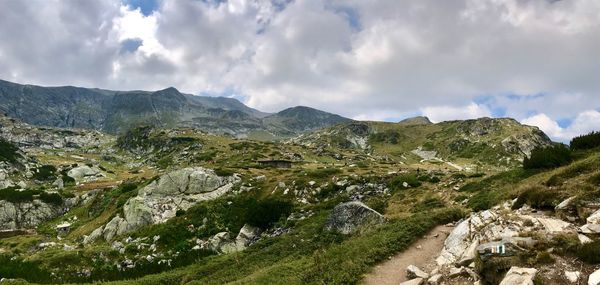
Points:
(398, 181)
(51, 198)
(590, 252)
(323, 173)
(224, 172)
(588, 141)
(267, 212)
(484, 200)
(8, 152)
(388, 136)
(13, 195)
(548, 157)
(428, 204)
(45, 173)
(538, 198)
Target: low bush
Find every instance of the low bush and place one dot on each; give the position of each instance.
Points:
(224, 172)
(588, 141)
(45, 173)
(8, 152)
(589, 252)
(538, 197)
(428, 204)
(548, 157)
(51, 198)
(399, 181)
(323, 173)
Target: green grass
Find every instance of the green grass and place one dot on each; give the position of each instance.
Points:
(308, 255)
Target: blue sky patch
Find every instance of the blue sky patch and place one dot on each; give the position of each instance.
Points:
(146, 6)
(130, 45)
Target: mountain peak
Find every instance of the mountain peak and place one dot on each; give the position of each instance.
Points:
(418, 120)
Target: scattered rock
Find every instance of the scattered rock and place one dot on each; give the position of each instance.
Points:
(519, 276)
(436, 279)
(573, 276)
(415, 272)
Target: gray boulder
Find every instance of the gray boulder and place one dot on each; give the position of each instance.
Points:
(160, 200)
(84, 172)
(347, 217)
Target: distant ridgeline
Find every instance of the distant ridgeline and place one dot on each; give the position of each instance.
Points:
(116, 111)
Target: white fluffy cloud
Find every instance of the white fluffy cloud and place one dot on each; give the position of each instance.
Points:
(447, 113)
(583, 123)
(362, 59)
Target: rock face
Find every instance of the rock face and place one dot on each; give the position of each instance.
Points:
(348, 217)
(161, 199)
(491, 225)
(27, 214)
(519, 276)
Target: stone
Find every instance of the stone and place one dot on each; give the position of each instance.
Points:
(415, 272)
(519, 276)
(564, 204)
(573, 276)
(416, 281)
(590, 228)
(583, 239)
(247, 235)
(93, 236)
(435, 279)
(347, 217)
(79, 173)
(594, 218)
(594, 278)
(555, 225)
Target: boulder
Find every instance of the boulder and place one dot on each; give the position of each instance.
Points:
(519, 276)
(594, 278)
(435, 279)
(594, 218)
(93, 236)
(80, 173)
(347, 217)
(573, 276)
(415, 272)
(564, 204)
(247, 235)
(161, 199)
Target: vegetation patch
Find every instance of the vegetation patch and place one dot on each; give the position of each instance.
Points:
(9, 152)
(548, 157)
(588, 141)
(538, 197)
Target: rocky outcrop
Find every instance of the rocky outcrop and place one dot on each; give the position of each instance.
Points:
(161, 199)
(347, 217)
(494, 225)
(24, 215)
(594, 278)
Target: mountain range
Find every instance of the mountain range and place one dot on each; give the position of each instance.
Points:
(117, 111)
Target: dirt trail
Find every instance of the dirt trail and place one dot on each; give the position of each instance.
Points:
(422, 253)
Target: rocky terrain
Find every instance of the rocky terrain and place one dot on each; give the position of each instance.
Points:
(180, 205)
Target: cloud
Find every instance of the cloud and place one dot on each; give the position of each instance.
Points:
(361, 59)
(583, 123)
(447, 113)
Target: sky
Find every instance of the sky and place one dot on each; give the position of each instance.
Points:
(534, 60)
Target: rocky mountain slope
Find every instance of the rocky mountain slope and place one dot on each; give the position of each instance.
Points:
(117, 111)
(486, 141)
